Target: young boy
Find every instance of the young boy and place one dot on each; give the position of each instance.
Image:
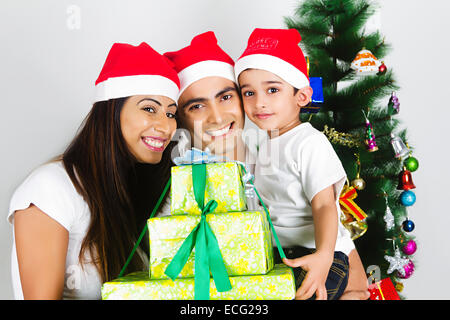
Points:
(297, 172)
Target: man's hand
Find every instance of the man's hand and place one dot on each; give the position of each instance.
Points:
(317, 265)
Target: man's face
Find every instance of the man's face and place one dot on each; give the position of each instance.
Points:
(212, 111)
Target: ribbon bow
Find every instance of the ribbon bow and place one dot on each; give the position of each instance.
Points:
(207, 253)
(197, 156)
(348, 205)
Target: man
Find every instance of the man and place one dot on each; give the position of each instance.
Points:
(211, 111)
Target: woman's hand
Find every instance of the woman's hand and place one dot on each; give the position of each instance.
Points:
(317, 266)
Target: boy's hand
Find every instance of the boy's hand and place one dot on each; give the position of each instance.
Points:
(317, 265)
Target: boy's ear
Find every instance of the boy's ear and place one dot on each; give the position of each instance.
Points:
(303, 96)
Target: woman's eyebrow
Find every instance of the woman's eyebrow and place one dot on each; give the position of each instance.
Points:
(150, 99)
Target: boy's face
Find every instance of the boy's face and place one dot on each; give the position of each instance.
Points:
(270, 102)
(211, 110)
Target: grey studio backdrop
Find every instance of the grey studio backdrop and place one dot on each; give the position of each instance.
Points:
(52, 51)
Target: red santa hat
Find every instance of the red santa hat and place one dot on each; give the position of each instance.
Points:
(202, 58)
(276, 51)
(136, 70)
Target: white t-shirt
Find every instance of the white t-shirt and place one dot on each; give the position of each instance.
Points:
(50, 189)
(290, 170)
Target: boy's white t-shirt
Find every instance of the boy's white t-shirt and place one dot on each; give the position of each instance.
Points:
(290, 170)
(50, 189)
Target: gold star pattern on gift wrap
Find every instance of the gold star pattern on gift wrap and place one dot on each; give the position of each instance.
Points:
(396, 262)
(243, 246)
(221, 178)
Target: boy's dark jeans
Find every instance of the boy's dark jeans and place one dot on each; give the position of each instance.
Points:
(337, 277)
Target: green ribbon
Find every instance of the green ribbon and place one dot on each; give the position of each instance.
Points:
(275, 236)
(207, 252)
(144, 230)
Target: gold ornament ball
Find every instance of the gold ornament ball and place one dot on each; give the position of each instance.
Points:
(359, 184)
(399, 287)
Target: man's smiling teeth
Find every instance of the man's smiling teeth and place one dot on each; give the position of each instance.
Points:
(153, 142)
(220, 132)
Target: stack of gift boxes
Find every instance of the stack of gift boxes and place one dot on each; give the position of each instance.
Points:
(243, 237)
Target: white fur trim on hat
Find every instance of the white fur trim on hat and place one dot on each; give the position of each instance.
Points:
(119, 87)
(273, 64)
(203, 69)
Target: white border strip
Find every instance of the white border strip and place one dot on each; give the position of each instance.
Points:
(120, 87)
(273, 64)
(203, 69)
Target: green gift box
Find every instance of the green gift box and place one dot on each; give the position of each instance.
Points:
(244, 240)
(223, 184)
(278, 284)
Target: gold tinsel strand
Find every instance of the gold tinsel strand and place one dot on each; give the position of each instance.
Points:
(344, 139)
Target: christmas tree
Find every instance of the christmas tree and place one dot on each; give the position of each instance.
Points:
(358, 116)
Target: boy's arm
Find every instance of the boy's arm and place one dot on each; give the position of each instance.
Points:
(325, 218)
(325, 231)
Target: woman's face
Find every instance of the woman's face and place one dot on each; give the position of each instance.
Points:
(212, 111)
(148, 124)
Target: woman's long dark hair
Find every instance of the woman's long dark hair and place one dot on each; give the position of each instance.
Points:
(119, 191)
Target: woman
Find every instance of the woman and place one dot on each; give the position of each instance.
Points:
(77, 218)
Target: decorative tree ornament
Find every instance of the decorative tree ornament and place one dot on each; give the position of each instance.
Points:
(317, 98)
(399, 286)
(370, 136)
(396, 263)
(365, 63)
(358, 182)
(410, 247)
(408, 225)
(383, 290)
(352, 217)
(407, 270)
(382, 68)
(405, 180)
(389, 217)
(412, 164)
(407, 198)
(399, 147)
(341, 138)
(393, 105)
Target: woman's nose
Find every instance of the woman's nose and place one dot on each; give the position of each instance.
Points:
(162, 124)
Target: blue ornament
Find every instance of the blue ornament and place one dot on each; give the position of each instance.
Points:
(408, 225)
(407, 198)
(316, 98)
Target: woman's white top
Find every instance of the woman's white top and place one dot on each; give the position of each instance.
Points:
(50, 189)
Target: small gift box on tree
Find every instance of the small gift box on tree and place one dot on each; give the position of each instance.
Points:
(383, 290)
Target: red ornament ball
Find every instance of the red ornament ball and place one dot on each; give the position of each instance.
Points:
(382, 68)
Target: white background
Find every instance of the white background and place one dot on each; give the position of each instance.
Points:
(49, 62)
